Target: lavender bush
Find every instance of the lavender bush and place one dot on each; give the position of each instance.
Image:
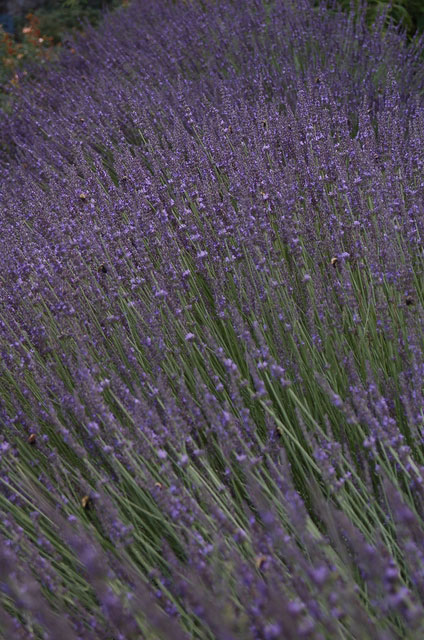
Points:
(211, 314)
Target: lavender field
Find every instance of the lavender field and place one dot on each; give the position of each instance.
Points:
(211, 329)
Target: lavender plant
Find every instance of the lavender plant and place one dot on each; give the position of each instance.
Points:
(211, 311)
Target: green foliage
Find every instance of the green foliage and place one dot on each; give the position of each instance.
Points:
(57, 18)
(410, 13)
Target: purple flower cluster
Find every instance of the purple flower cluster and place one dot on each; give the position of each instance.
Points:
(211, 315)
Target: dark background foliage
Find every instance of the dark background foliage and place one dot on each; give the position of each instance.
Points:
(55, 16)
(408, 12)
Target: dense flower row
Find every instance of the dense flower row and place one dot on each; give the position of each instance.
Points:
(211, 314)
